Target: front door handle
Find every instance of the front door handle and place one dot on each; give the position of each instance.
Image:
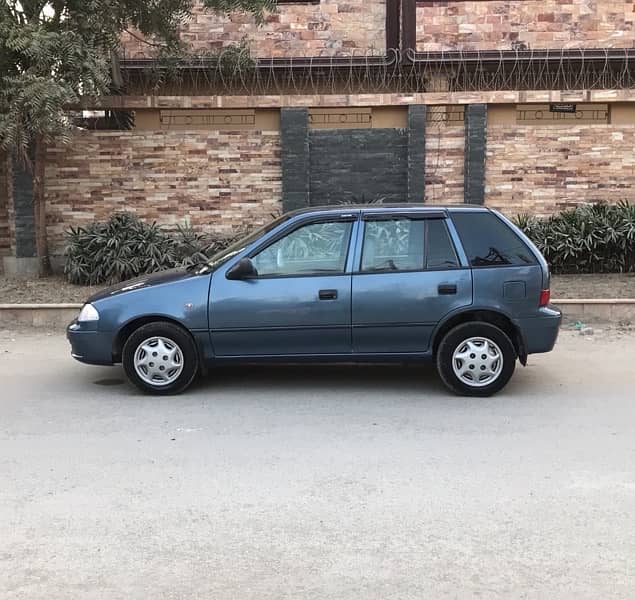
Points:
(447, 288)
(328, 294)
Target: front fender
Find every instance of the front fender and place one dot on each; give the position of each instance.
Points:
(182, 301)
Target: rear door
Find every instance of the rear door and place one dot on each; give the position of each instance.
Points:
(407, 278)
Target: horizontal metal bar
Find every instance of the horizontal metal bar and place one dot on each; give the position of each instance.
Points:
(523, 56)
(429, 59)
(312, 62)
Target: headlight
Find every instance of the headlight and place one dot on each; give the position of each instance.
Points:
(88, 313)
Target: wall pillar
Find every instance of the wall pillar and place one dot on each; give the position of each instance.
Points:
(294, 132)
(23, 212)
(416, 152)
(16, 206)
(475, 146)
(5, 199)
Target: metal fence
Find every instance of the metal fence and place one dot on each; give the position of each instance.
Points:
(233, 72)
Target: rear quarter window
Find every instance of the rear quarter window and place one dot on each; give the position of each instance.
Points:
(489, 242)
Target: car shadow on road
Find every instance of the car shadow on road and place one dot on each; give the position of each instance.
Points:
(406, 380)
(324, 376)
(298, 379)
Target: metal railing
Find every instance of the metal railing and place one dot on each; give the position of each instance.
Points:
(238, 73)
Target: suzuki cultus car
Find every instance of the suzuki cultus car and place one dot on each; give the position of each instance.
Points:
(461, 286)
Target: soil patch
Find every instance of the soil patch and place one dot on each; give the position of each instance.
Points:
(47, 290)
(56, 289)
(593, 286)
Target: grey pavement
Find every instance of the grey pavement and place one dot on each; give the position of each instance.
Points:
(318, 483)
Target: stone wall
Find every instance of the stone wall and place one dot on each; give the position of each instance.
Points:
(345, 27)
(329, 27)
(5, 201)
(445, 146)
(217, 181)
(545, 169)
(508, 24)
(224, 181)
(355, 165)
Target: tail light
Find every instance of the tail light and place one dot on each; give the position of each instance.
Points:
(545, 297)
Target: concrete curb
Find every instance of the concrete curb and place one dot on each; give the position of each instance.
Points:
(597, 309)
(59, 315)
(37, 315)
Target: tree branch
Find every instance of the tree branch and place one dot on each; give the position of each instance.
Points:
(139, 38)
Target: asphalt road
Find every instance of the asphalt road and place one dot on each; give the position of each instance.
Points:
(321, 483)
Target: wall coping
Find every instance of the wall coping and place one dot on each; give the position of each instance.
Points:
(39, 306)
(594, 301)
(336, 100)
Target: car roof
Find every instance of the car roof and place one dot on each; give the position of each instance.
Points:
(388, 208)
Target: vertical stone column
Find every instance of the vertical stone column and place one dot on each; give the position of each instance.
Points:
(475, 146)
(23, 212)
(393, 25)
(5, 199)
(16, 202)
(408, 29)
(294, 133)
(416, 152)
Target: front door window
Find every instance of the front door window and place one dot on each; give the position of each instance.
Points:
(315, 248)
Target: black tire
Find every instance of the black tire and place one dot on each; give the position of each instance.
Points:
(458, 337)
(171, 333)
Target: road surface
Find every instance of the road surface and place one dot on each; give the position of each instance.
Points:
(318, 483)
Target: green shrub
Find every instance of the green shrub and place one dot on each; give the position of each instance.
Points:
(598, 238)
(124, 247)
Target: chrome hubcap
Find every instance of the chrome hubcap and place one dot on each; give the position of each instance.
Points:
(477, 361)
(158, 361)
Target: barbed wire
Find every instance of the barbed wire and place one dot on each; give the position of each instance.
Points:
(234, 72)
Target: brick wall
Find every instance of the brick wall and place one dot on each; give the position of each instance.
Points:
(218, 181)
(224, 180)
(477, 25)
(5, 200)
(546, 169)
(444, 163)
(329, 27)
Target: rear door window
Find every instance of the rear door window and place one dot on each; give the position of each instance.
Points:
(405, 244)
(393, 245)
(489, 242)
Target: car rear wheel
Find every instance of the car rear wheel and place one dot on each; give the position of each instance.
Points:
(160, 358)
(476, 359)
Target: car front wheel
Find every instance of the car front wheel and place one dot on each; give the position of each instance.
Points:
(476, 359)
(160, 358)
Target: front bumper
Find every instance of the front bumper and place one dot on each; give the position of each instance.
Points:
(541, 332)
(90, 346)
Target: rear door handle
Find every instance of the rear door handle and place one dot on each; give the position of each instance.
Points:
(328, 294)
(447, 288)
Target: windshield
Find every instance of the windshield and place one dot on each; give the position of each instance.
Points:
(237, 247)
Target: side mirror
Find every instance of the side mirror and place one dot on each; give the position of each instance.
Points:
(243, 269)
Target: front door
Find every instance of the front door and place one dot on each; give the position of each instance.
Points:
(298, 304)
(409, 277)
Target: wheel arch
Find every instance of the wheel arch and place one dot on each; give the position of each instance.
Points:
(126, 330)
(485, 315)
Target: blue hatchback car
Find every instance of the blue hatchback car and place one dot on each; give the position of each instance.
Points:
(460, 285)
